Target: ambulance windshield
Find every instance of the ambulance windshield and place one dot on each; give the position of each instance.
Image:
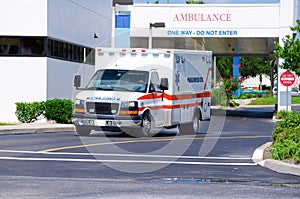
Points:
(119, 80)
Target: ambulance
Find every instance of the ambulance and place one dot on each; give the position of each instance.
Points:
(134, 91)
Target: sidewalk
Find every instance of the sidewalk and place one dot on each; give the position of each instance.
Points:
(33, 128)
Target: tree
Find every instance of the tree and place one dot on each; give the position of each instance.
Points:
(290, 51)
(253, 66)
(224, 65)
(194, 2)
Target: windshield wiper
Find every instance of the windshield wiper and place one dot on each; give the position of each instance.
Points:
(98, 88)
(121, 88)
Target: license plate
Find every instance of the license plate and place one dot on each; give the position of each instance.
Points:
(99, 123)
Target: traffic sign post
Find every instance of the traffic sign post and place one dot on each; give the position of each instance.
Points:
(287, 79)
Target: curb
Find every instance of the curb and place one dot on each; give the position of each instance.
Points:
(275, 165)
(35, 129)
(258, 154)
(242, 113)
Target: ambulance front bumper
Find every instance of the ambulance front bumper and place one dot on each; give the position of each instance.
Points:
(96, 122)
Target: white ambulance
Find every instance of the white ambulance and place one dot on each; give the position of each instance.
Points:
(138, 90)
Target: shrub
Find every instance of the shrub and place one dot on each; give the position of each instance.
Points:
(29, 112)
(286, 138)
(59, 110)
(281, 114)
(230, 85)
(243, 96)
(218, 97)
(233, 104)
(286, 150)
(249, 96)
(267, 93)
(291, 120)
(258, 95)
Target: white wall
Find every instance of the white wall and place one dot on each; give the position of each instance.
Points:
(78, 20)
(22, 79)
(60, 76)
(75, 21)
(19, 17)
(29, 79)
(254, 81)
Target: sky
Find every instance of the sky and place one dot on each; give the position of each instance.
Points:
(210, 1)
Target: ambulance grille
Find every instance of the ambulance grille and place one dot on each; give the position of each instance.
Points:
(102, 108)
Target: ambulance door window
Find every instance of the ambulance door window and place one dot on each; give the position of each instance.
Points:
(154, 82)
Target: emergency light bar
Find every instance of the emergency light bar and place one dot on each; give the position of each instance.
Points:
(144, 52)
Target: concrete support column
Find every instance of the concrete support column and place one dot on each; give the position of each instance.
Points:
(215, 71)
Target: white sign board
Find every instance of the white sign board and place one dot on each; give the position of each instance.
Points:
(208, 20)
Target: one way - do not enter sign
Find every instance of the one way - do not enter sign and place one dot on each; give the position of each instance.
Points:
(287, 78)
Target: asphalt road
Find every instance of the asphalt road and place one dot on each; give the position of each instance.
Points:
(216, 163)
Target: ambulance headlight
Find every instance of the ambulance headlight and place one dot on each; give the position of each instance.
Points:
(79, 106)
(129, 108)
(79, 102)
(129, 104)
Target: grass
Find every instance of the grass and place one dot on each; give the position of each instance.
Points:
(272, 101)
(6, 124)
(264, 101)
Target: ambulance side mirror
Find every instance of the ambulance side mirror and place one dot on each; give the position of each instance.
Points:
(164, 84)
(77, 81)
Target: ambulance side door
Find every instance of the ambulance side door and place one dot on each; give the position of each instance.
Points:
(157, 108)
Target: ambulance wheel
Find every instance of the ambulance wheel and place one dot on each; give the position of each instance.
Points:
(196, 123)
(146, 125)
(83, 132)
(192, 127)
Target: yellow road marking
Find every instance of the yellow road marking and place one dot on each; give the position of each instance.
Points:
(150, 140)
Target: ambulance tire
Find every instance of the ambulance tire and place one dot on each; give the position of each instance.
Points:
(83, 132)
(192, 127)
(146, 125)
(143, 130)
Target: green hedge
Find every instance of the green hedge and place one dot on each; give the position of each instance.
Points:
(286, 138)
(29, 112)
(58, 110)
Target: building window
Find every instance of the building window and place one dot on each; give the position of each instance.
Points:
(70, 52)
(42, 46)
(65, 50)
(81, 54)
(32, 46)
(55, 49)
(18, 46)
(9, 45)
(50, 47)
(60, 49)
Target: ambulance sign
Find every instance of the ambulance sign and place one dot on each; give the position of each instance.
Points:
(287, 78)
